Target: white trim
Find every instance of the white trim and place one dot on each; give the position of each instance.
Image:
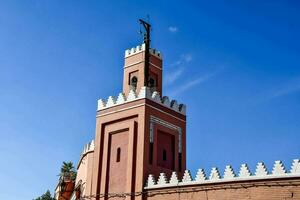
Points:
(165, 112)
(144, 93)
(126, 66)
(236, 179)
(155, 66)
(156, 120)
(116, 111)
(215, 177)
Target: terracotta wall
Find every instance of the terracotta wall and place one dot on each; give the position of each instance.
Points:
(287, 189)
(84, 173)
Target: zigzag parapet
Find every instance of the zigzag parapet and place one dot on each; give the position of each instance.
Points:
(88, 148)
(141, 48)
(228, 176)
(145, 92)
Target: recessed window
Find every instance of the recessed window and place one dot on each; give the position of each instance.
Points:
(151, 82)
(165, 149)
(164, 155)
(151, 153)
(133, 82)
(118, 154)
(179, 161)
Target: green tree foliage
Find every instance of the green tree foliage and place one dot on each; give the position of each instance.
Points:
(68, 170)
(46, 196)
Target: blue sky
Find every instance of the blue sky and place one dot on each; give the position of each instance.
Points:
(235, 64)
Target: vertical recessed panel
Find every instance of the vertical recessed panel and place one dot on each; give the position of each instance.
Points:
(117, 161)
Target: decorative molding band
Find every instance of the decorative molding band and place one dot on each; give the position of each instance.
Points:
(229, 175)
(157, 67)
(145, 93)
(141, 48)
(120, 110)
(155, 120)
(155, 108)
(132, 64)
(126, 66)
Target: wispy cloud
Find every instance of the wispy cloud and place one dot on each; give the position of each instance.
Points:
(284, 89)
(183, 59)
(292, 87)
(189, 84)
(173, 29)
(172, 77)
(177, 68)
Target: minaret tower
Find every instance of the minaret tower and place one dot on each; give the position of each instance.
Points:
(138, 132)
(143, 66)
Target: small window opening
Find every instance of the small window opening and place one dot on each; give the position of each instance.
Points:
(118, 154)
(151, 82)
(151, 153)
(133, 82)
(164, 155)
(179, 161)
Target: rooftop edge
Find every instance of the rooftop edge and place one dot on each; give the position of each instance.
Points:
(229, 175)
(141, 48)
(145, 92)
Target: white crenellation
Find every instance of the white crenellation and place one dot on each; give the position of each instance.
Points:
(145, 93)
(229, 173)
(88, 147)
(84, 149)
(278, 168)
(141, 48)
(156, 97)
(187, 177)
(214, 174)
(174, 105)
(162, 179)
(150, 181)
(111, 101)
(182, 108)
(244, 171)
(261, 169)
(166, 101)
(155, 53)
(200, 176)
(174, 178)
(92, 144)
(295, 166)
(131, 95)
(121, 98)
(101, 104)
